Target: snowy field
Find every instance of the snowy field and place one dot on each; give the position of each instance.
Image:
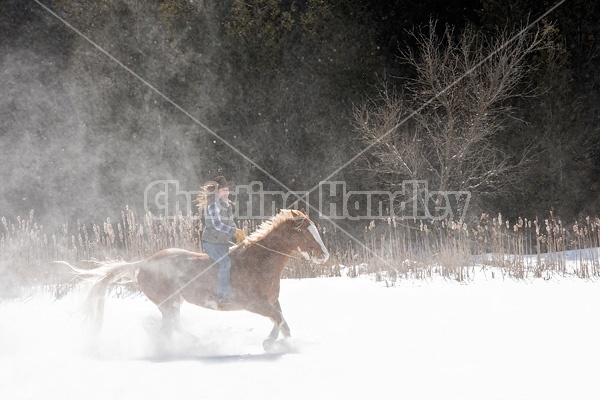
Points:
(352, 338)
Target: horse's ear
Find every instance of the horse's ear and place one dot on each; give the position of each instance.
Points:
(303, 211)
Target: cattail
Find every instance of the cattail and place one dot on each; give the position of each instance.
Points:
(148, 219)
(96, 230)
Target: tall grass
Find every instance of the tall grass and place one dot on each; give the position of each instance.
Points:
(519, 249)
(389, 250)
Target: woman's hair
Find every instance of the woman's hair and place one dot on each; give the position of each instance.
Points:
(207, 195)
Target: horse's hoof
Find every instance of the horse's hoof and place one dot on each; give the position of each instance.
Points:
(268, 344)
(284, 346)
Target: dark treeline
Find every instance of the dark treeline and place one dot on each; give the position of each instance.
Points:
(81, 137)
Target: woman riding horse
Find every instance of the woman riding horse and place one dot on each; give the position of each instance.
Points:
(219, 227)
(171, 276)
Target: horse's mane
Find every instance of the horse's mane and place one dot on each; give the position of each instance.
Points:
(268, 226)
(265, 228)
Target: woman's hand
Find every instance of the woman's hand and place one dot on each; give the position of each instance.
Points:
(239, 236)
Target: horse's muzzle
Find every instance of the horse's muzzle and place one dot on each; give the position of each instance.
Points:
(321, 259)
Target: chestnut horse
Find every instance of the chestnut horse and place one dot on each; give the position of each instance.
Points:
(173, 275)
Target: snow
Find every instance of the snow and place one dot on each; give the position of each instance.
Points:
(352, 338)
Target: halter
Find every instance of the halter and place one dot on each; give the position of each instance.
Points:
(298, 228)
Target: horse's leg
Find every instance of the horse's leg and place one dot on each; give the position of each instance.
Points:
(285, 329)
(170, 310)
(263, 307)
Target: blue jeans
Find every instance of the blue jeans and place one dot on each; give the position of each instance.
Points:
(218, 252)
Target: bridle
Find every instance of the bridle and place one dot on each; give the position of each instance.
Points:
(298, 229)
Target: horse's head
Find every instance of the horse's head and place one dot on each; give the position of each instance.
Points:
(309, 242)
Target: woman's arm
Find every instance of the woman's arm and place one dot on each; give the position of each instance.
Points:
(215, 218)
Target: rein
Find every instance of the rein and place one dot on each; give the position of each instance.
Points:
(278, 252)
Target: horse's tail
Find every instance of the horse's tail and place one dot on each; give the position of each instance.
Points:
(122, 271)
(104, 275)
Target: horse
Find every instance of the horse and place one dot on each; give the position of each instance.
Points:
(173, 275)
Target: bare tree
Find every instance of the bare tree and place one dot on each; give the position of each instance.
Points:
(441, 127)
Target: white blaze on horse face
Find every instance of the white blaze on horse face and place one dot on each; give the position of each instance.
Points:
(315, 233)
(304, 254)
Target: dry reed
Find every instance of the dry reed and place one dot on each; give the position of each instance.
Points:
(390, 250)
